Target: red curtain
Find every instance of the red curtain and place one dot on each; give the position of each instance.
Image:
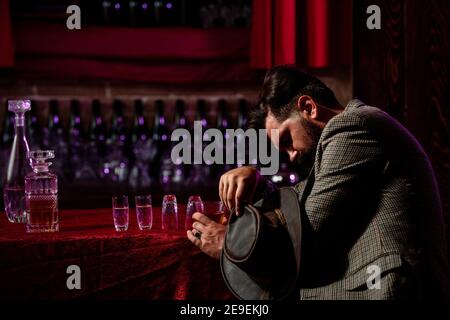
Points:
(310, 33)
(6, 44)
(273, 34)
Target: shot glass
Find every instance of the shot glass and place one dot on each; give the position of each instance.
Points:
(217, 211)
(195, 204)
(169, 213)
(121, 213)
(144, 212)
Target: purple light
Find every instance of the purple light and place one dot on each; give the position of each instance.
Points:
(144, 6)
(98, 121)
(164, 137)
(117, 6)
(77, 120)
(292, 178)
(101, 137)
(204, 123)
(122, 137)
(225, 123)
(122, 165)
(106, 171)
(56, 119)
(143, 137)
(169, 5)
(141, 121)
(162, 120)
(182, 121)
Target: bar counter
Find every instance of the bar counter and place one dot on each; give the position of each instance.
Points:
(137, 265)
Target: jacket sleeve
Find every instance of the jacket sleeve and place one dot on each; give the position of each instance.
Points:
(348, 167)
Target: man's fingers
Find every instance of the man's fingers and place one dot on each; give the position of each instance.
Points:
(221, 188)
(201, 218)
(194, 239)
(199, 226)
(224, 192)
(231, 195)
(239, 197)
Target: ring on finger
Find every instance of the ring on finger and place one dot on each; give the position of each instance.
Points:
(198, 234)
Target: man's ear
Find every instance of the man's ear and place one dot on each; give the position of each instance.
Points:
(307, 107)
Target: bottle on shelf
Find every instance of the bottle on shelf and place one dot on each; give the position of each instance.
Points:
(180, 120)
(140, 126)
(161, 164)
(199, 173)
(33, 128)
(18, 165)
(54, 132)
(8, 129)
(142, 150)
(76, 138)
(97, 129)
(118, 132)
(6, 141)
(115, 166)
(54, 138)
(242, 116)
(178, 168)
(222, 123)
(75, 126)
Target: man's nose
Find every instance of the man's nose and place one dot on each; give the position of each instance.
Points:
(292, 155)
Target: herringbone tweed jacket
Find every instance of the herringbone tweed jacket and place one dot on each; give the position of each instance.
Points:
(371, 203)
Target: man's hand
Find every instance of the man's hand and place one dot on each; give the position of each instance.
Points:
(238, 185)
(208, 235)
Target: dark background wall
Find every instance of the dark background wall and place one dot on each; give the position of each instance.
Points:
(404, 68)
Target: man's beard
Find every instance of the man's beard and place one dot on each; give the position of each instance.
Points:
(304, 161)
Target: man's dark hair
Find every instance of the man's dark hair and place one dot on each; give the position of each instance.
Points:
(281, 88)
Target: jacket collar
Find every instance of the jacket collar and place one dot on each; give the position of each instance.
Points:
(355, 103)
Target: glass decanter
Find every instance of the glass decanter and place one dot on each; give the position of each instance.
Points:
(17, 168)
(41, 190)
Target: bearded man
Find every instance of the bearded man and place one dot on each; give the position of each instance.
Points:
(370, 201)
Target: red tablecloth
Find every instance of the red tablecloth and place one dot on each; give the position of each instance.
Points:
(130, 265)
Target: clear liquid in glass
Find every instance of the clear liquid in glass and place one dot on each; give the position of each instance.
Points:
(144, 214)
(121, 218)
